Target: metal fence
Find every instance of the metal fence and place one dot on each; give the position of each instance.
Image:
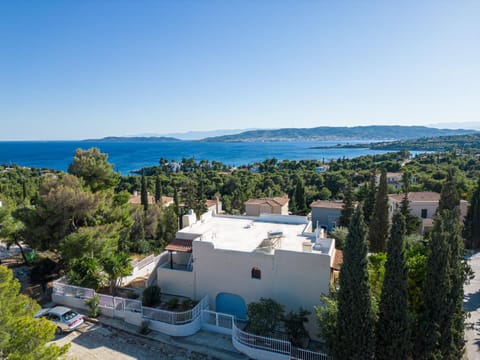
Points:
(220, 320)
(175, 318)
(261, 342)
(144, 262)
(74, 291)
(275, 345)
(302, 354)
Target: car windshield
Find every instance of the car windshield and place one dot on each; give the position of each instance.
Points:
(69, 315)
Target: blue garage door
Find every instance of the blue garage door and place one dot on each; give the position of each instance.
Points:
(231, 304)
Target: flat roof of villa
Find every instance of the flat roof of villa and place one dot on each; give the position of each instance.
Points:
(247, 233)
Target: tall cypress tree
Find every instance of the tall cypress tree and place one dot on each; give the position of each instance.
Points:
(379, 223)
(355, 327)
(347, 208)
(144, 192)
(471, 230)
(300, 199)
(412, 222)
(436, 288)
(441, 328)
(393, 342)
(369, 202)
(452, 340)
(158, 189)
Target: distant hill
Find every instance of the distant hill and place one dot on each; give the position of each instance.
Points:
(136, 138)
(440, 143)
(377, 132)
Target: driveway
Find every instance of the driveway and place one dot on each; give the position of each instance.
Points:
(472, 306)
(97, 342)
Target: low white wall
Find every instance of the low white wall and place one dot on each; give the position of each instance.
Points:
(216, 329)
(70, 301)
(257, 353)
(145, 272)
(175, 282)
(134, 318)
(177, 330)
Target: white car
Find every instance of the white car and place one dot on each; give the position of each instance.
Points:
(65, 318)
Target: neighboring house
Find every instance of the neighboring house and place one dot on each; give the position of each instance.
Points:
(214, 205)
(322, 169)
(424, 205)
(394, 179)
(325, 214)
(237, 260)
(167, 201)
(277, 205)
(136, 198)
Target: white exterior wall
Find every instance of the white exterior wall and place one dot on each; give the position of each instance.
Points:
(416, 207)
(176, 282)
(218, 271)
(293, 279)
(299, 280)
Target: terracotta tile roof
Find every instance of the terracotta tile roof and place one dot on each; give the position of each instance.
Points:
(417, 196)
(276, 201)
(180, 245)
(167, 200)
(137, 199)
(337, 204)
(210, 203)
(337, 259)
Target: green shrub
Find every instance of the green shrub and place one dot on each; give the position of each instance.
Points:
(144, 327)
(94, 305)
(189, 304)
(172, 303)
(151, 296)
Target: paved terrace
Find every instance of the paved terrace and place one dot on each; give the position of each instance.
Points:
(241, 233)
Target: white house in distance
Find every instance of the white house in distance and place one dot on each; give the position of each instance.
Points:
(276, 205)
(238, 260)
(423, 204)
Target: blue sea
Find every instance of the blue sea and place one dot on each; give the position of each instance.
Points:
(128, 156)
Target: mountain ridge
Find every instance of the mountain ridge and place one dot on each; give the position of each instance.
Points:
(323, 133)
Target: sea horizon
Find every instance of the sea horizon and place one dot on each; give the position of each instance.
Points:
(128, 156)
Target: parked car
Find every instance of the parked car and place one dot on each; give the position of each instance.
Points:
(65, 318)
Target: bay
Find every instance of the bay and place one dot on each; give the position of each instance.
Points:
(128, 155)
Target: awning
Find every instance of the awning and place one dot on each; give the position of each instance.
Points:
(180, 245)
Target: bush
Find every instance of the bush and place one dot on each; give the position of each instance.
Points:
(172, 303)
(188, 304)
(295, 327)
(264, 317)
(151, 296)
(144, 327)
(94, 305)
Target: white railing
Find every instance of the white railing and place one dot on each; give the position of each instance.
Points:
(132, 305)
(261, 342)
(278, 346)
(217, 321)
(74, 291)
(302, 354)
(144, 262)
(173, 317)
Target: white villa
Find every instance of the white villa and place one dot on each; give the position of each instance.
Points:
(238, 260)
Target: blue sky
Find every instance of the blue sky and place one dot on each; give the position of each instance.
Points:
(78, 69)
